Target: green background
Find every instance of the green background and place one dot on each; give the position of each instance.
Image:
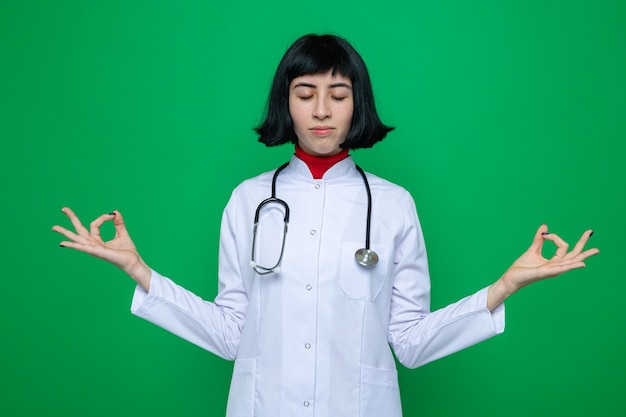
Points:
(508, 115)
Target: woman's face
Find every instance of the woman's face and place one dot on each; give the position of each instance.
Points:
(321, 107)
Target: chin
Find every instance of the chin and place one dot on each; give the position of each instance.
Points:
(326, 152)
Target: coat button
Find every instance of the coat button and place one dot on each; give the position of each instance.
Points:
(308, 287)
(307, 345)
(306, 403)
(313, 232)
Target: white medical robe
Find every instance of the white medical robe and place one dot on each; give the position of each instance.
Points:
(314, 339)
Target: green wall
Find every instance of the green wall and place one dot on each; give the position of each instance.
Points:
(508, 114)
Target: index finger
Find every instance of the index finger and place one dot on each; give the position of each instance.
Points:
(94, 226)
(561, 245)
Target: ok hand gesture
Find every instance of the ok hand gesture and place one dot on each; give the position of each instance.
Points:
(120, 251)
(532, 266)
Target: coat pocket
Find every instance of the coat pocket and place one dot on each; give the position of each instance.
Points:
(380, 393)
(361, 282)
(242, 389)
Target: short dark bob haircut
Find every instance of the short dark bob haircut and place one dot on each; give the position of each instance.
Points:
(318, 54)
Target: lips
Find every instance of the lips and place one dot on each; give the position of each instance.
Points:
(322, 130)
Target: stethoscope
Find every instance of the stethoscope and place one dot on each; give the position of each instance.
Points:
(365, 256)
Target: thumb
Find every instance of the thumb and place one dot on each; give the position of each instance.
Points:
(118, 221)
(538, 239)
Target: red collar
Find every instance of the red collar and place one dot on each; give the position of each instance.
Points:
(318, 165)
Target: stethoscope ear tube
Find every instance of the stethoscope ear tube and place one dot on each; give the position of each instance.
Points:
(259, 269)
(267, 201)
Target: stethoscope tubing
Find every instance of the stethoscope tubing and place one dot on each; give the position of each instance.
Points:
(365, 257)
(368, 222)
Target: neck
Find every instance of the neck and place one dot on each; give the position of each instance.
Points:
(318, 165)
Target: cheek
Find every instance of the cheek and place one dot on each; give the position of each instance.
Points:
(297, 115)
(296, 125)
(292, 113)
(347, 117)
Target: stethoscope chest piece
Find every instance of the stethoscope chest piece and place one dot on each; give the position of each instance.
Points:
(366, 257)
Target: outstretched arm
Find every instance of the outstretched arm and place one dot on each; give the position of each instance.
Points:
(532, 266)
(120, 251)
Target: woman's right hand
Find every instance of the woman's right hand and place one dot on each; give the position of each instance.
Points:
(120, 251)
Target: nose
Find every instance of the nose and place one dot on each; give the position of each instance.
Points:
(322, 109)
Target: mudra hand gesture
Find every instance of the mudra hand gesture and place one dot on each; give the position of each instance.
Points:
(120, 251)
(532, 266)
(527, 269)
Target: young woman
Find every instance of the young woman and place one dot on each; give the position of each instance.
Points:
(322, 268)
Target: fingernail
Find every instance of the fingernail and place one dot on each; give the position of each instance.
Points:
(545, 233)
(591, 234)
(112, 214)
(62, 245)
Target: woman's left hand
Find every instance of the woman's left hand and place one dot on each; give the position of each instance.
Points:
(532, 266)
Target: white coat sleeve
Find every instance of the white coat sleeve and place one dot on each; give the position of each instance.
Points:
(214, 326)
(417, 335)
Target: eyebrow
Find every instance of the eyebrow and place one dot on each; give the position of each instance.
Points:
(333, 85)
